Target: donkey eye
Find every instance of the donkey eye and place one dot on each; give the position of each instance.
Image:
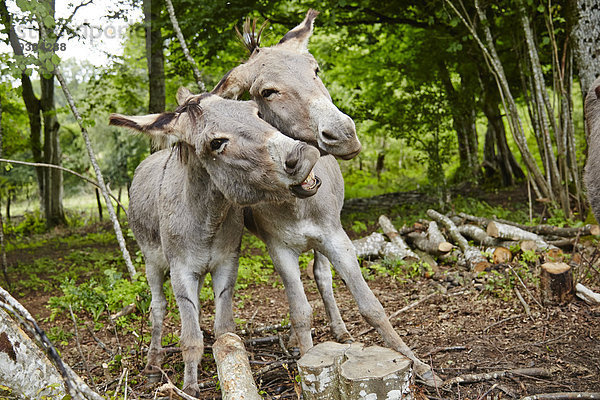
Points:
(268, 92)
(317, 70)
(218, 144)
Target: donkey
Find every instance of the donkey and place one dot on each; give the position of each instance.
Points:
(186, 206)
(592, 168)
(283, 80)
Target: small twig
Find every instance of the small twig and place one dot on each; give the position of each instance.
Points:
(525, 287)
(400, 311)
(126, 376)
(170, 386)
(283, 348)
(500, 322)
(444, 349)
(100, 342)
(487, 376)
(522, 300)
(483, 396)
(119, 384)
(276, 327)
(83, 360)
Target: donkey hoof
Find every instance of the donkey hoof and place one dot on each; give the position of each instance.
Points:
(152, 372)
(345, 339)
(429, 378)
(294, 351)
(193, 390)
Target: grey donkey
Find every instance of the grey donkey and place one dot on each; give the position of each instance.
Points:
(186, 206)
(592, 167)
(283, 80)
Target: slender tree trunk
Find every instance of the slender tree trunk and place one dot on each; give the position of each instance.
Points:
(155, 57)
(2, 243)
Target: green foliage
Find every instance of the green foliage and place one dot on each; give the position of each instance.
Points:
(97, 296)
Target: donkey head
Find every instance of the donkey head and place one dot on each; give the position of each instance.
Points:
(247, 159)
(284, 82)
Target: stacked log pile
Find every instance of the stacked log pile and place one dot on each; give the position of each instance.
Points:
(479, 244)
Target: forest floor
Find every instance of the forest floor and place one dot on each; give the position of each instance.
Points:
(459, 328)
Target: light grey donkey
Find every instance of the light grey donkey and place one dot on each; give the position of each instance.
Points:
(592, 167)
(186, 206)
(283, 80)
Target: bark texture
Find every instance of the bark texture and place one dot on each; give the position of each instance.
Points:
(154, 56)
(233, 368)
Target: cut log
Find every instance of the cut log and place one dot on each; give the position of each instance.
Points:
(479, 235)
(369, 246)
(233, 368)
(556, 283)
(351, 371)
(568, 232)
(501, 255)
(511, 232)
(402, 251)
(473, 256)
(432, 242)
(587, 295)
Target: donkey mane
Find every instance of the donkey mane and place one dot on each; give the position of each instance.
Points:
(249, 37)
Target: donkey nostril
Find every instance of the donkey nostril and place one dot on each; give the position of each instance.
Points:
(291, 163)
(328, 136)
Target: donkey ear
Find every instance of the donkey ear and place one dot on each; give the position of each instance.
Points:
(160, 127)
(183, 94)
(234, 83)
(297, 38)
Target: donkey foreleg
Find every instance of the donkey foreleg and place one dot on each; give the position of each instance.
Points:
(339, 249)
(223, 280)
(158, 309)
(186, 284)
(324, 281)
(285, 261)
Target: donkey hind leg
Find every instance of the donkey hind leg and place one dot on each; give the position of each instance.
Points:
(223, 280)
(155, 274)
(323, 278)
(186, 285)
(339, 249)
(285, 261)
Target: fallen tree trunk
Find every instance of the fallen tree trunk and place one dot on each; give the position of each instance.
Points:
(488, 376)
(233, 368)
(397, 248)
(564, 396)
(511, 232)
(370, 246)
(589, 229)
(475, 260)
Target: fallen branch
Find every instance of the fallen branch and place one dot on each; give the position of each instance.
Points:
(563, 396)
(399, 249)
(432, 242)
(369, 246)
(587, 295)
(488, 376)
(511, 232)
(233, 368)
(473, 256)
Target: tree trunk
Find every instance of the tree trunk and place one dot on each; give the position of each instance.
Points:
(154, 56)
(32, 103)
(53, 178)
(497, 154)
(463, 121)
(584, 32)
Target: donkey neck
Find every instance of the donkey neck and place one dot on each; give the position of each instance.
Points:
(205, 201)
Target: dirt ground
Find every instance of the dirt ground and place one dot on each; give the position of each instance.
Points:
(459, 329)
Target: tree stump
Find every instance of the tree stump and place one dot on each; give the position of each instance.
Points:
(352, 371)
(556, 283)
